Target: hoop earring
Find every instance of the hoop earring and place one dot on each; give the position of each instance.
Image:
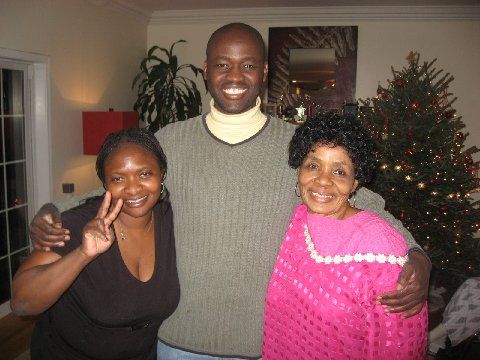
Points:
(296, 190)
(352, 199)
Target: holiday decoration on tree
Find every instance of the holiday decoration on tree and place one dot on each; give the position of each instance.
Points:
(425, 174)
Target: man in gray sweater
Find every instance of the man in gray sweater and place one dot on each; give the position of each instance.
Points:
(232, 194)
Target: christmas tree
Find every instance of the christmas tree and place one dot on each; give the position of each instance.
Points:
(424, 173)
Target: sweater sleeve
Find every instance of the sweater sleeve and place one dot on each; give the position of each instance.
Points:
(368, 200)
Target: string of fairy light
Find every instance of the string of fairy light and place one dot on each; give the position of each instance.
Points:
(447, 192)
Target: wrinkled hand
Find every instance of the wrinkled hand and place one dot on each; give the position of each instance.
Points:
(97, 235)
(412, 287)
(46, 229)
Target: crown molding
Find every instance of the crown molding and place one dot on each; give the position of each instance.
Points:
(316, 14)
(131, 9)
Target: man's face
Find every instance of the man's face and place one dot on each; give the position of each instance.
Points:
(235, 71)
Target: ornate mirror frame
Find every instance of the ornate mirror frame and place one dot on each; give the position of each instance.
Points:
(341, 38)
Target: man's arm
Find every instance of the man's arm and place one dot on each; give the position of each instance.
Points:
(46, 227)
(412, 284)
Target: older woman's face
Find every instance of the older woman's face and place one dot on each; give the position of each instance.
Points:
(326, 178)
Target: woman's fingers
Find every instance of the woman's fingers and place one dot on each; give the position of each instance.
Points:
(113, 213)
(103, 210)
(96, 230)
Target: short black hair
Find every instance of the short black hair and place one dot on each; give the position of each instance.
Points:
(240, 26)
(335, 130)
(141, 137)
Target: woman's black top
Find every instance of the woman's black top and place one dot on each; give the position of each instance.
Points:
(107, 313)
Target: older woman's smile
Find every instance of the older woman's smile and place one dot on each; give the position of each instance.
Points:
(322, 196)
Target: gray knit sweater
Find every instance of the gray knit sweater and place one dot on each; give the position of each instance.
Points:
(231, 206)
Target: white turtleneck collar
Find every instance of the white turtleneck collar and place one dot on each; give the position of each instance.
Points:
(236, 128)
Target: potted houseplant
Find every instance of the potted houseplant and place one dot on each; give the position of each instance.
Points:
(164, 95)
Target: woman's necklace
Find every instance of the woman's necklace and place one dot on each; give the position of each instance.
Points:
(122, 233)
(358, 257)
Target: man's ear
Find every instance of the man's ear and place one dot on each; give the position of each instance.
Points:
(265, 71)
(205, 70)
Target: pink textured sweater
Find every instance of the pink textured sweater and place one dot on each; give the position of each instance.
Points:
(321, 299)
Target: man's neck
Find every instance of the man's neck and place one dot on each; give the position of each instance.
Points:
(235, 128)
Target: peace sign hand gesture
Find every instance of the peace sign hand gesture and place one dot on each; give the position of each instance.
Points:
(97, 234)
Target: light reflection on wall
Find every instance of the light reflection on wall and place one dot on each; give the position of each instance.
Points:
(81, 172)
(83, 73)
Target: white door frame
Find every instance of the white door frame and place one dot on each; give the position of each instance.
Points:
(38, 71)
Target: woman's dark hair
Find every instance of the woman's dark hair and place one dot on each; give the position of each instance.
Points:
(335, 130)
(140, 137)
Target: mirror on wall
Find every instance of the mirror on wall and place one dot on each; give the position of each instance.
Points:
(311, 67)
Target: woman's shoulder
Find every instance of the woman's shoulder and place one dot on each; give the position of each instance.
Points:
(376, 235)
(163, 207)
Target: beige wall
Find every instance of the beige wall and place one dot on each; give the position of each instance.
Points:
(94, 52)
(381, 44)
(95, 49)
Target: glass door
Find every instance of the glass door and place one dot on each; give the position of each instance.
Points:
(14, 172)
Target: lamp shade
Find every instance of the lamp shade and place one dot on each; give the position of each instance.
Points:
(98, 124)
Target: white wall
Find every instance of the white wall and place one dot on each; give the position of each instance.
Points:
(451, 35)
(94, 51)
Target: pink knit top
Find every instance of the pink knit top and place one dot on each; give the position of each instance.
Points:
(321, 299)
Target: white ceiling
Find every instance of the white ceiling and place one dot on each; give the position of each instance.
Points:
(149, 6)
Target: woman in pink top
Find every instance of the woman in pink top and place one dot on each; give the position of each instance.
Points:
(335, 260)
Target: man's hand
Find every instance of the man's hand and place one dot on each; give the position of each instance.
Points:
(46, 229)
(412, 288)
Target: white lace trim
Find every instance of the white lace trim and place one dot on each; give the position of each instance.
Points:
(338, 259)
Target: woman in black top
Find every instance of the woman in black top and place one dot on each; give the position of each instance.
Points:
(101, 298)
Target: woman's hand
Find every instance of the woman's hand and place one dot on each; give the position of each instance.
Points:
(97, 235)
(412, 288)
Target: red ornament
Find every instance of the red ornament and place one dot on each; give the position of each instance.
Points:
(415, 105)
(409, 152)
(443, 209)
(410, 133)
(399, 82)
(402, 215)
(433, 181)
(449, 114)
(433, 102)
(459, 135)
(474, 171)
